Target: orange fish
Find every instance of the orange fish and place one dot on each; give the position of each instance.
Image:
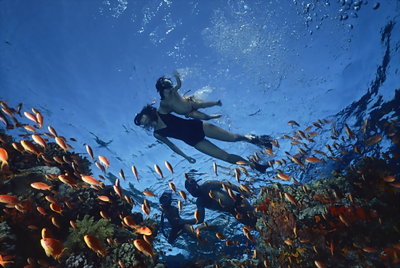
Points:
(90, 151)
(248, 234)
(172, 186)
(8, 199)
(52, 131)
(17, 146)
(50, 198)
(144, 230)
(52, 247)
(100, 166)
(30, 147)
(91, 180)
(389, 178)
(369, 250)
(104, 198)
(61, 143)
(104, 160)
(128, 220)
(146, 209)
(73, 224)
(169, 167)
(373, 140)
(67, 179)
(134, 171)
(211, 194)
(292, 122)
(56, 222)
(317, 125)
(158, 170)
(179, 205)
(183, 194)
(56, 207)
(220, 236)
(312, 159)
(3, 157)
(290, 198)
(319, 264)
(122, 174)
(95, 244)
(148, 193)
(143, 247)
(104, 214)
(245, 188)
(118, 190)
(288, 242)
(46, 233)
(39, 119)
(58, 160)
(283, 176)
(237, 174)
(215, 167)
(40, 186)
(30, 117)
(41, 211)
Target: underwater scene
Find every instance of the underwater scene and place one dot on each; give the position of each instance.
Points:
(202, 133)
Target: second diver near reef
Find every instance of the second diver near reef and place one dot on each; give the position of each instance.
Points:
(211, 195)
(194, 132)
(171, 213)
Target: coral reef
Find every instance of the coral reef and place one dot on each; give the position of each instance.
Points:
(332, 220)
(47, 207)
(102, 229)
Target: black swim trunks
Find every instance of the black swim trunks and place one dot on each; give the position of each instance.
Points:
(188, 130)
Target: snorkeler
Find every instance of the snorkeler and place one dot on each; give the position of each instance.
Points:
(178, 225)
(193, 132)
(172, 101)
(211, 195)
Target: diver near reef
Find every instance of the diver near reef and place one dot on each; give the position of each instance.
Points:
(171, 213)
(193, 132)
(172, 101)
(211, 195)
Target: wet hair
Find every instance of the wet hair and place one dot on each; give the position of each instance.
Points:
(166, 199)
(193, 187)
(147, 110)
(163, 83)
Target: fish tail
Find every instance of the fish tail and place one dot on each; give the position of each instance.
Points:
(5, 163)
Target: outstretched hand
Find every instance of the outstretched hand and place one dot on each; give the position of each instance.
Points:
(176, 74)
(191, 160)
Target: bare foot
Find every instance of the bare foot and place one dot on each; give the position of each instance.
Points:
(214, 116)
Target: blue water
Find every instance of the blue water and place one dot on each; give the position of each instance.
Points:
(90, 66)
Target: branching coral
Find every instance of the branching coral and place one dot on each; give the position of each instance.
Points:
(102, 229)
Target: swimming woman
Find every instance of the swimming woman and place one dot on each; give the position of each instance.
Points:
(193, 132)
(172, 101)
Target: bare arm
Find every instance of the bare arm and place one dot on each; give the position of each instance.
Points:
(178, 81)
(173, 147)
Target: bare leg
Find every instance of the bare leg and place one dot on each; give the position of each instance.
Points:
(198, 104)
(202, 116)
(212, 131)
(211, 149)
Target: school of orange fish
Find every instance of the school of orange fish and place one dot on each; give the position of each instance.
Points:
(36, 140)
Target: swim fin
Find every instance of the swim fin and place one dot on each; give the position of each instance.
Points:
(261, 141)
